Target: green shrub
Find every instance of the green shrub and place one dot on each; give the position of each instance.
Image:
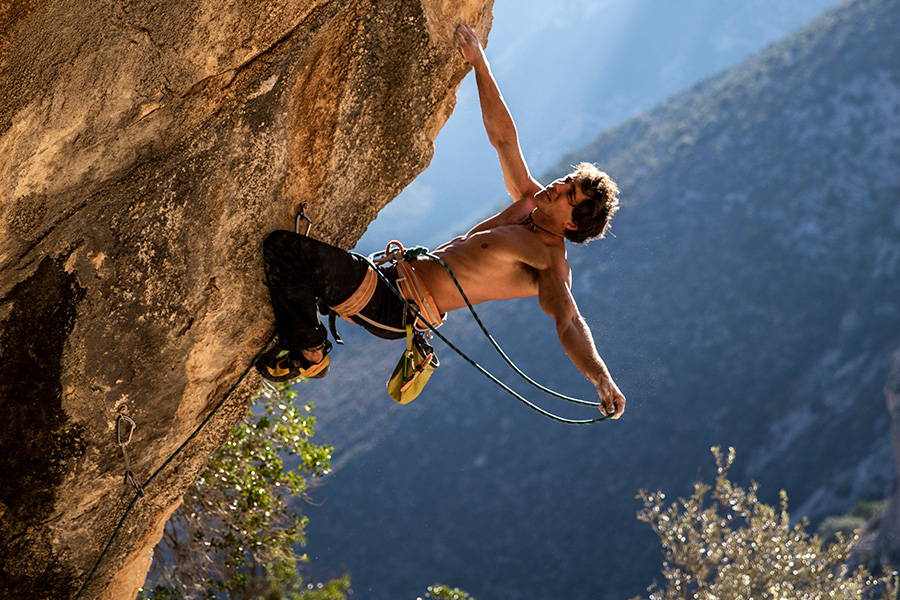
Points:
(234, 534)
(722, 543)
(443, 592)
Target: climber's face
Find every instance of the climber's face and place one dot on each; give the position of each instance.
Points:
(557, 200)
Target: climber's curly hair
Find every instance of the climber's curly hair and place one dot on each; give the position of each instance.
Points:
(593, 216)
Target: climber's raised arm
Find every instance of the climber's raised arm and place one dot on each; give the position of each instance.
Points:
(498, 122)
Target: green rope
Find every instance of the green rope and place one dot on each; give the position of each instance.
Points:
(497, 347)
(165, 463)
(411, 307)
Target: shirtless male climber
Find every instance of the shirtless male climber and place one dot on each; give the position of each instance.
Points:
(518, 253)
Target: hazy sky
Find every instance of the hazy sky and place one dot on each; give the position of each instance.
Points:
(568, 70)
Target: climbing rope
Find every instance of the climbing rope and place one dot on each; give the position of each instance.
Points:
(418, 251)
(496, 345)
(123, 438)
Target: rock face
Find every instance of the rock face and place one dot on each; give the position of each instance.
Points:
(145, 151)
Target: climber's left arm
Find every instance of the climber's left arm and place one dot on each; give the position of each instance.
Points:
(556, 300)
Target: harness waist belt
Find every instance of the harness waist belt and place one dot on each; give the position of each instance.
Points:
(411, 288)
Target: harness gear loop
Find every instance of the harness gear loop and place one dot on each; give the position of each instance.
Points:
(123, 438)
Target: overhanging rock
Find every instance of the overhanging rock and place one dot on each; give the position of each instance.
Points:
(146, 148)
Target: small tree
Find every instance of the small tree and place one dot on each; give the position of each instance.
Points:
(235, 533)
(722, 543)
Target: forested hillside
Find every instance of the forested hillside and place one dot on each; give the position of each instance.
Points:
(748, 298)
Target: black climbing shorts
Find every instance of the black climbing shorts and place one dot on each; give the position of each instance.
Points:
(304, 275)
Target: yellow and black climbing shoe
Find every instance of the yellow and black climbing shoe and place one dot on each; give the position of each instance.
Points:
(276, 364)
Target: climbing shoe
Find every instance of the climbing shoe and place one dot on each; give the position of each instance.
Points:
(276, 364)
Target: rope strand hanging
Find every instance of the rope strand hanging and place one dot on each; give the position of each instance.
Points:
(419, 251)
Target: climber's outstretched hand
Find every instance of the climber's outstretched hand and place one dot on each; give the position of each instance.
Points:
(469, 45)
(612, 401)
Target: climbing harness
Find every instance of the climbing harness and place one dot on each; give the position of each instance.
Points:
(418, 361)
(410, 287)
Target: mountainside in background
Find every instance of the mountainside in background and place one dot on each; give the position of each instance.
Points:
(749, 298)
(569, 69)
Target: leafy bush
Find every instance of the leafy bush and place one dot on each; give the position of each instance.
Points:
(235, 533)
(443, 592)
(722, 543)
